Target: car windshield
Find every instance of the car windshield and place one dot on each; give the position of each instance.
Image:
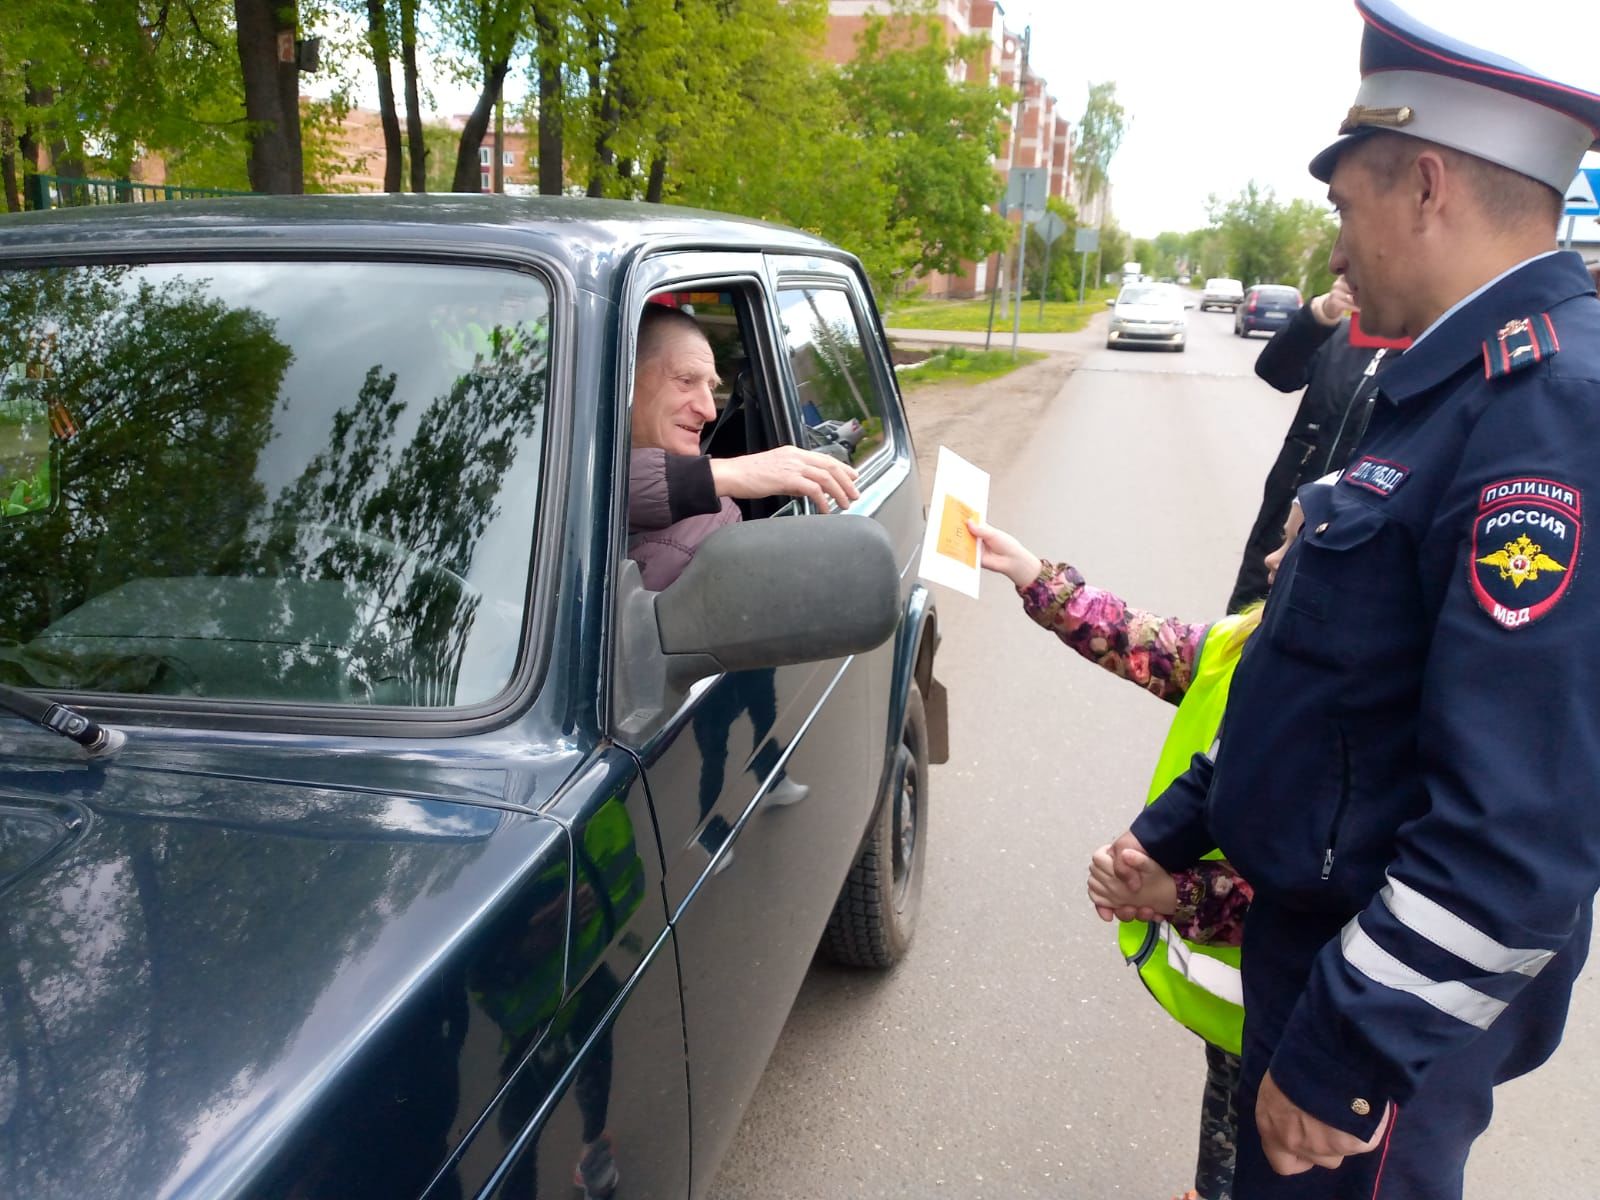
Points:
(302, 482)
(1155, 293)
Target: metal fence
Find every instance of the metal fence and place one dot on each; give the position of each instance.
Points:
(60, 191)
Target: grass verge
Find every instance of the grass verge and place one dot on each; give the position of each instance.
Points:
(1060, 316)
(969, 366)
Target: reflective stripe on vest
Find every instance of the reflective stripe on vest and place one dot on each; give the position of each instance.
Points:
(1198, 985)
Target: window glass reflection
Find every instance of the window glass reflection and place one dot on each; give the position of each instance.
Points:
(302, 482)
(839, 400)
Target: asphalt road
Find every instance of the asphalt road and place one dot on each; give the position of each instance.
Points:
(1012, 1055)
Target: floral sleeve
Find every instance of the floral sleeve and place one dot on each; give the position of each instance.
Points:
(1212, 901)
(1157, 653)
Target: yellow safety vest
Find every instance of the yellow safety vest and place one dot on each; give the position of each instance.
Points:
(1199, 985)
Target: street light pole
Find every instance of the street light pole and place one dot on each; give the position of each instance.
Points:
(1016, 143)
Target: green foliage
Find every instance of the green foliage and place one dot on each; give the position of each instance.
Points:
(1064, 263)
(1261, 240)
(973, 315)
(1099, 134)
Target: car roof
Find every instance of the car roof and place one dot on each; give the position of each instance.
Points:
(592, 238)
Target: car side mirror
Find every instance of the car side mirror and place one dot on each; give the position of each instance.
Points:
(758, 594)
(777, 592)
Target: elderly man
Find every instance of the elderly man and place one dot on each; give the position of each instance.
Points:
(678, 497)
(1412, 784)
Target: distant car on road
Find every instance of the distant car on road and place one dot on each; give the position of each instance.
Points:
(1265, 306)
(1150, 313)
(1221, 293)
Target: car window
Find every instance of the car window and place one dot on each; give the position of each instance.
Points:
(840, 400)
(303, 482)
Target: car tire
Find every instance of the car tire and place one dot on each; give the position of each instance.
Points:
(876, 913)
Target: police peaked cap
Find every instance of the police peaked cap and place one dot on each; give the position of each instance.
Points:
(1417, 81)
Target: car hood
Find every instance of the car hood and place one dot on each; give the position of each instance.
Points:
(189, 958)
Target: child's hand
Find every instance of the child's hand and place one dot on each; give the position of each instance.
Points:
(1005, 555)
(1126, 883)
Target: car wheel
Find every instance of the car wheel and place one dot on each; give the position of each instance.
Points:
(1110, 345)
(876, 912)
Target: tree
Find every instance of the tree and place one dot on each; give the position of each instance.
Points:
(490, 33)
(388, 117)
(1265, 241)
(1063, 281)
(937, 138)
(1099, 135)
(266, 31)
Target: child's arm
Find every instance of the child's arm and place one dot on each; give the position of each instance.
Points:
(1212, 899)
(1156, 652)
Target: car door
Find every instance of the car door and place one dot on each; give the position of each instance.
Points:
(761, 782)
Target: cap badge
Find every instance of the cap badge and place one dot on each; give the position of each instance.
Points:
(1361, 116)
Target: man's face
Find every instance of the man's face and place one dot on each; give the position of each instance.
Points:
(672, 394)
(1372, 230)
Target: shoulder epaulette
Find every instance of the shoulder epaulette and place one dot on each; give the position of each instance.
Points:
(1520, 343)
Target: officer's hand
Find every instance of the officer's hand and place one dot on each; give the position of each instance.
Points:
(1294, 1141)
(786, 471)
(1333, 304)
(1002, 553)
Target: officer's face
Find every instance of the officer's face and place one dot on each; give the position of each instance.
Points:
(672, 394)
(1372, 225)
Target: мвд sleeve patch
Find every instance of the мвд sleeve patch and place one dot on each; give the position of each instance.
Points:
(1524, 550)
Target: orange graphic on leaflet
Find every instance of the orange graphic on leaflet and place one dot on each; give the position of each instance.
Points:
(955, 539)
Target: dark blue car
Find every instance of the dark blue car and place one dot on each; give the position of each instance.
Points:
(1265, 306)
(412, 848)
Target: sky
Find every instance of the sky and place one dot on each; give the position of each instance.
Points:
(1220, 92)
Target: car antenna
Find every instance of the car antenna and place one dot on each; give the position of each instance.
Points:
(59, 718)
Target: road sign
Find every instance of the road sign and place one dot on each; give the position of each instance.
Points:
(1087, 241)
(1049, 227)
(1582, 195)
(1025, 189)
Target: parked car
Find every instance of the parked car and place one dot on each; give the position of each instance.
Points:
(1265, 306)
(1221, 293)
(413, 848)
(1150, 314)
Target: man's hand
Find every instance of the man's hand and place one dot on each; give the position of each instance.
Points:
(1333, 304)
(1150, 895)
(786, 471)
(1004, 555)
(1295, 1141)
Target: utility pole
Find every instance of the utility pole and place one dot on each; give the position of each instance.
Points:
(1016, 140)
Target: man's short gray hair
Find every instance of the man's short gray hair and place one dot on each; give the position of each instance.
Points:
(657, 323)
(1508, 198)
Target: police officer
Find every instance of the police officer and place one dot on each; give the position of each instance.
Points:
(1411, 778)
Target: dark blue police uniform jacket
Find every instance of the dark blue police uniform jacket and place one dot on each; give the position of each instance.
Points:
(1411, 772)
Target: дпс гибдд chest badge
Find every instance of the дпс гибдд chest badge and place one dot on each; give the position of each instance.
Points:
(1524, 548)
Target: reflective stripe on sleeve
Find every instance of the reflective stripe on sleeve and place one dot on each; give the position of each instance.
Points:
(1431, 920)
(1207, 973)
(1449, 996)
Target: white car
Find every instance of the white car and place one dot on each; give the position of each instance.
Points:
(1151, 314)
(1222, 293)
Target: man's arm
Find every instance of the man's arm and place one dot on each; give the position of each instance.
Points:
(1288, 361)
(664, 489)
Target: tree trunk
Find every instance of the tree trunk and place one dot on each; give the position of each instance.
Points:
(467, 165)
(551, 147)
(604, 155)
(499, 150)
(408, 58)
(265, 35)
(8, 166)
(378, 35)
(658, 178)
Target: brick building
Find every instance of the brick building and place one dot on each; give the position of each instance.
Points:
(361, 144)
